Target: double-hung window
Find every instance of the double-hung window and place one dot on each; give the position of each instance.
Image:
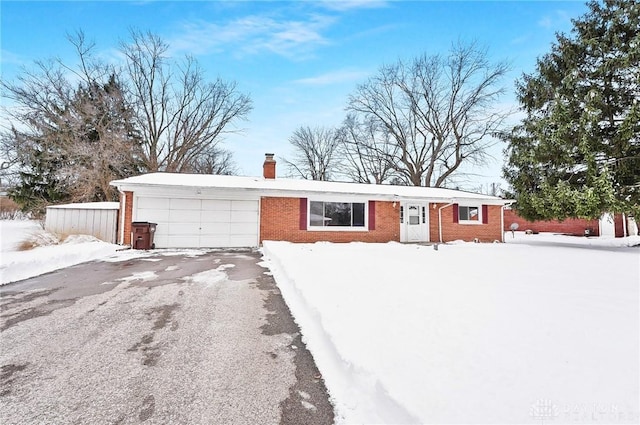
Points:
(337, 215)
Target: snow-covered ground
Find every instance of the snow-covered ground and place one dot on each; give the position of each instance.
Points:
(542, 329)
(17, 265)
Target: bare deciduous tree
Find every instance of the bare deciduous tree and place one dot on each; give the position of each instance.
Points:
(440, 111)
(315, 154)
(181, 115)
(366, 151)
(215, 161)
(71, 131)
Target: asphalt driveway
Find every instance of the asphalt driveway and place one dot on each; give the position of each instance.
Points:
(200, 338)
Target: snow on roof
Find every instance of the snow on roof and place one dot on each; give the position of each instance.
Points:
(293, 185)
(89, 206)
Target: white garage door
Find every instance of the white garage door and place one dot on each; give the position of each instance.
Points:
(200, 223)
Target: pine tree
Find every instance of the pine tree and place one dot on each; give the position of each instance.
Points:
(577, 151)
(70, 139)
(40, 184)
(106, 146)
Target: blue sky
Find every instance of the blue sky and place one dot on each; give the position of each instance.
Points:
(299, 61)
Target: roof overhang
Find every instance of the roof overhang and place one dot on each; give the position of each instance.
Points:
(258, 187)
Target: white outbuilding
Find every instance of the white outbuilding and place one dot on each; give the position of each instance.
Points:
(98, 219)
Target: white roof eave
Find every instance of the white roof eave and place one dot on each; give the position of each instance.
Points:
(287, 187)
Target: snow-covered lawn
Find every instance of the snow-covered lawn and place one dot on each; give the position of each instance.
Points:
(17, 265)
(542, 329)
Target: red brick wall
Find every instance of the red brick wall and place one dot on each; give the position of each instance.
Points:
(451, 231)
(280, 221)
(128, 215)
(573, 226)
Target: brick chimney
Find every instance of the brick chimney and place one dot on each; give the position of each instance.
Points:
(269, 166)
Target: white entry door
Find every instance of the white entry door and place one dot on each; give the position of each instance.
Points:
(416, 223)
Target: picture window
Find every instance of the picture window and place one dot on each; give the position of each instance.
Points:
(337, 214)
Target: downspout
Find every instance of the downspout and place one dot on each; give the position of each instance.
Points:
(440, 218)
(624, 226)
(123, 203)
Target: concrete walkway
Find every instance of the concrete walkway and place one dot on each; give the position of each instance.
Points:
(190, 339)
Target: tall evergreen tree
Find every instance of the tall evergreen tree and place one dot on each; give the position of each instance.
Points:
(577, 151)
(69, 138)
(40, 184)
(106, 144)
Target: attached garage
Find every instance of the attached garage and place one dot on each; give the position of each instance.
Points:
(200, 223)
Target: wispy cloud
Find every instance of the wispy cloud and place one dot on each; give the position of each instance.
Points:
(520, 40)
(10, 58)
(346, 5)
(291, 38)
(334, 77)
(559, 18)
(545, 22)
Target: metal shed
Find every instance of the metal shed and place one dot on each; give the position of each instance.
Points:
(98, 219)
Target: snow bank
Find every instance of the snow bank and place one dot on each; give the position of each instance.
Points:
(470, 333)
(13, 232)
(18, 265)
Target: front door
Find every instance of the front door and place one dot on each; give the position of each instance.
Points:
(416, 223)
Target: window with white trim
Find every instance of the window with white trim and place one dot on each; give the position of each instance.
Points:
(337, 215)
(467, 213)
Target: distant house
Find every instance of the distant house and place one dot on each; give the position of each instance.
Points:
(608, 225)
(231, 211)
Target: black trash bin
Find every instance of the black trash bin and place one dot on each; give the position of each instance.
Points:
(142, 235)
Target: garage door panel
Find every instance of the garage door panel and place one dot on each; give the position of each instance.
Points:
(216, 216)
(244, 206)
(176, 229)
(192, 223)
(185, 204)
(243, 217)
(184, 216)
(152, 203)
(161, 241)
(242, 240)
(215, 205)
(184, 241)
(154, 216)
(215, 228)
(243, 228)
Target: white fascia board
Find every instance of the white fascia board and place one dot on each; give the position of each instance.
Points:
(194, 192)
(150, 189)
